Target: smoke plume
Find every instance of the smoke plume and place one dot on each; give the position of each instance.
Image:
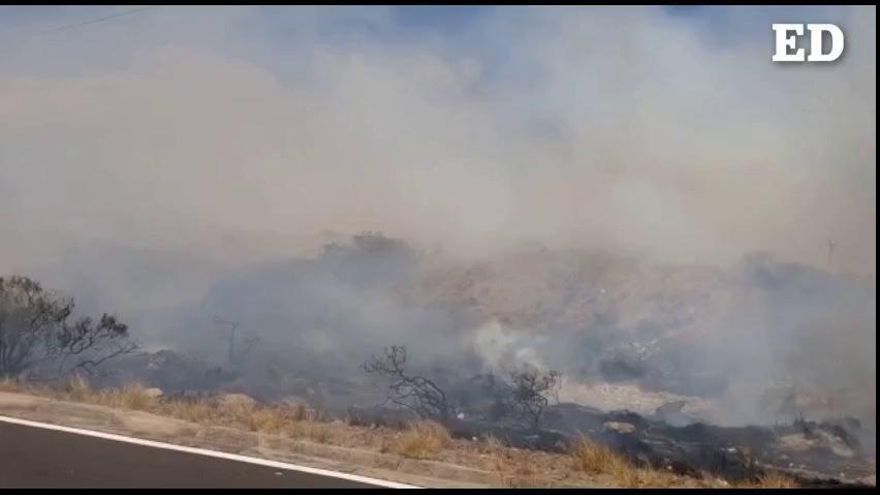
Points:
(595, 180)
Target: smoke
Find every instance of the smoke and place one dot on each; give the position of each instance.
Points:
(184, 162)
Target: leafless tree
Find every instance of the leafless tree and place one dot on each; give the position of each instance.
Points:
(38, 335)
(236, 356)
(532, 391)
(416, 393)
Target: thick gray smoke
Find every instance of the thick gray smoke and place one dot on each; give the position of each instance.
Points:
(184, 165)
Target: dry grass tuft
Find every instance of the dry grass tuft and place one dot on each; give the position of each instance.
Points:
(133, 396)
(241, 414)
(192, 411)
(648, 478)
(775, 479)
(276, 419)
(421, 440)
(299, 412)
(489, 445)
(8, 384)
(320, 432)
(269, 420)
(516, 469)
(78, 389)
(594, 458)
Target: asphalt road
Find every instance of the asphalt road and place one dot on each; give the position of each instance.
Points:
(34, 457)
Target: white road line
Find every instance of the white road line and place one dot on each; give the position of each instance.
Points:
(206, 452)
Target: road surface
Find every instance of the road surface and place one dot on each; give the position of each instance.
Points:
(39, 457)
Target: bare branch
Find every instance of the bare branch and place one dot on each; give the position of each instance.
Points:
(36, 333)
(416, 393)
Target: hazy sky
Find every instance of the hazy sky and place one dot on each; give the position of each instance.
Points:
(240, 130)
(148, 153)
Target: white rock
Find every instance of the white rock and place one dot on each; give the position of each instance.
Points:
(153, 392)
(236, 400)
(619, 427)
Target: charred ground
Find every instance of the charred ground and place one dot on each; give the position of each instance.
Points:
(675, 366)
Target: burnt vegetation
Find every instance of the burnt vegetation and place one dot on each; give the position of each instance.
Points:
(438, 381)
(416, 393)
(40, 338)
(532, 391)
(525, 395)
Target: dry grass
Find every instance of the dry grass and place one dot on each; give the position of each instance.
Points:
(777, 480)
(192, 411)
(299, 412)
(319, 432)
(9, 384)
(516, 469)
(600, 460)
(421, 440)
(270, 421)
(132, 396)
(771, 479)
(594, 458)
(78, 389)
(587, 464)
